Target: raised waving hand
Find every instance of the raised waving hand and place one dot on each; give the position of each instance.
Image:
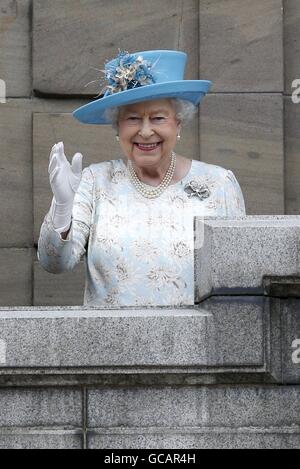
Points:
(64, 181)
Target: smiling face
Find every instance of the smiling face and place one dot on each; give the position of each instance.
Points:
(148, 131)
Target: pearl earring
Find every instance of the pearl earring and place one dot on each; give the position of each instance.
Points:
(117, 138)
(178, 137)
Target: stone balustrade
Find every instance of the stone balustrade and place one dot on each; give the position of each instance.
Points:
(223, 373)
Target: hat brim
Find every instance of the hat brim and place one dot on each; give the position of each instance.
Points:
(190, 90)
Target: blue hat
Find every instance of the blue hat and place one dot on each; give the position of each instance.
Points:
(142, 76)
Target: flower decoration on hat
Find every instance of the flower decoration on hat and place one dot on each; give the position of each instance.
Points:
(128, 72)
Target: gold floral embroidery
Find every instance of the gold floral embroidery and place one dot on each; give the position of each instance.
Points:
(116, 221)
(145, 250)
(211, 204)
(180, 249)
(177, 200)
(101, 194)
(107, 244)
(118, 175)
(160, 277)
(111, 298)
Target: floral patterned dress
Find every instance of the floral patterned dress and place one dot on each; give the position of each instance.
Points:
(138, 251)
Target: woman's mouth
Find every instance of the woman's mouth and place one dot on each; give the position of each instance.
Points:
(147, 146)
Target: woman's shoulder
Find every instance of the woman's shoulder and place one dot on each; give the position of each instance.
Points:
(208, 169)
(106, 167)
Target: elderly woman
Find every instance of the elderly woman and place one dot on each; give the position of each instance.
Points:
(132, 217)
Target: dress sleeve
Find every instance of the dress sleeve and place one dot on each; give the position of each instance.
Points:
(234, 200)
(57, 255)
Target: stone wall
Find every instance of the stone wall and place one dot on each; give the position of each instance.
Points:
(49, 51)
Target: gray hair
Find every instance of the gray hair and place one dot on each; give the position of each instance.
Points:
(185, 112)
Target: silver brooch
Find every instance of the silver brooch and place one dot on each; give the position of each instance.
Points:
(197, 188)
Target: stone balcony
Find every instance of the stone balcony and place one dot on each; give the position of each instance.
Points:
(223, 373)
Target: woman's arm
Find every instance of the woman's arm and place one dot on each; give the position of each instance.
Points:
(60, 252)
(235, 204)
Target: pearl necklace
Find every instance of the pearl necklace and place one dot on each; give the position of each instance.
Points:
(145, 189)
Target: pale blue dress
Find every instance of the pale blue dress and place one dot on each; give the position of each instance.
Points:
(138, 251)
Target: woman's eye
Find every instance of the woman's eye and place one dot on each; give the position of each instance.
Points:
(132, 118)
(159, 118)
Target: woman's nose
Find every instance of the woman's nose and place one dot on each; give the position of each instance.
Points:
(146, 129)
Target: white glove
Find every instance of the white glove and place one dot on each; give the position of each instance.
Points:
(64, 181)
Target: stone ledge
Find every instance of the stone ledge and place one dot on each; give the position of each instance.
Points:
(195, 440)
(232, 407)
(233, 255)
(40, 438)
(222, 336)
